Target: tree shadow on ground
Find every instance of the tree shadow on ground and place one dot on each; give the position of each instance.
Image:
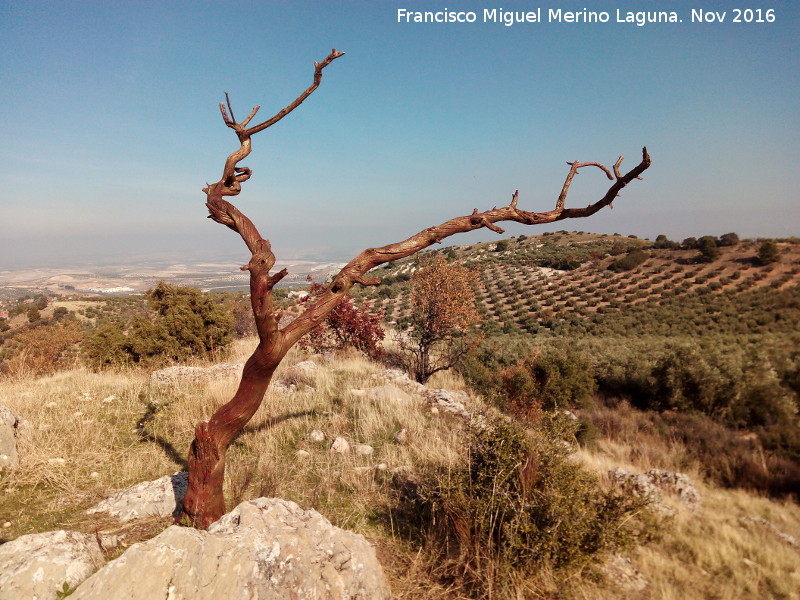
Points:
(177, 457)
(145, 436)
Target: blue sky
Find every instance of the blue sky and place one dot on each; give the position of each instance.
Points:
(110, 123)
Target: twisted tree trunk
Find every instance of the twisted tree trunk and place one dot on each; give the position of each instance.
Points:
(204, 502)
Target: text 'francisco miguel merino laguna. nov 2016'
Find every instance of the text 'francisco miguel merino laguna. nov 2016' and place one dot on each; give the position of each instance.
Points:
(559, 15)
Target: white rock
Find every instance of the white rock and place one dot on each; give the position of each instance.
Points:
(340, 446)
(195, 374)
(363, 449)
(401, 437)
(303, 454)
(268, 549)
(307, 366)
(161, 497)
(388, 392)
(317, 435)
(33, 567)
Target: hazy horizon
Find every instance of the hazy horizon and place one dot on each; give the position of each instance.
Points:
(112, 128)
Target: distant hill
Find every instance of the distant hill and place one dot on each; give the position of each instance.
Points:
(530, 283)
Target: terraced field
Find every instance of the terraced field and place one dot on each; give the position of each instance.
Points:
(519, 290)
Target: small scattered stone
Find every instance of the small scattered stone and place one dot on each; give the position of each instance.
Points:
(381, 467)
(317, 436)
(7, 524)
(364, 449)
(57, 461)
(308, 366)
(401, 437)
(340, 446)
(51, 405)
(434, 410)
(94, 475)
(303, 454)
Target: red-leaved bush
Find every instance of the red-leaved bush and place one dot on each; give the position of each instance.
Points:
(346, 326)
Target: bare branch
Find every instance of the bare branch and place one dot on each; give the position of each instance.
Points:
(373, 257)
(318, 66)
(204, 501)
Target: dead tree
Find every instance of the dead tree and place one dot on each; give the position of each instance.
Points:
(204, 502)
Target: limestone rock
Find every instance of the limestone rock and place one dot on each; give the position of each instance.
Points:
(306, 366)
(623, 574)
(12, 428)
(340, 446)
(363, 449)
(317, 435)
(34, 567)
(388, 392)
(265, 549)
(194, 374)
(161, 497)
(789, 539)
(650, 485)
(401, 437)
(446, 400)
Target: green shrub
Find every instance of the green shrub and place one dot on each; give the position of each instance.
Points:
(517, 505)
(184, 323)
(709, 252)
(629, 262)
(768, 252)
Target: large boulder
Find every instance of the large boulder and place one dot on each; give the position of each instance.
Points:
(159, 498)
(11, 429)
(36, 566)
(263, 549)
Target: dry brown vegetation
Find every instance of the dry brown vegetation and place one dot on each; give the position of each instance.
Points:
(91, 421)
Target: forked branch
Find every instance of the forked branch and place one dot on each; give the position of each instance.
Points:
(204, 503)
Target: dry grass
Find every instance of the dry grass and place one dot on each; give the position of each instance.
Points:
(713, 552)
(91, 422)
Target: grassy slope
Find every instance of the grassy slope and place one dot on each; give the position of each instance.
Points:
(90, 421)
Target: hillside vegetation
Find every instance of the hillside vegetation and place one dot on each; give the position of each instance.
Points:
(673, 360)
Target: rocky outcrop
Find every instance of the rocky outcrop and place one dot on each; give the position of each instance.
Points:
(263, 549)
(453, 402)
(783, 536)
(650, 486)
(161, 498)
(34, 567)
(12, 428)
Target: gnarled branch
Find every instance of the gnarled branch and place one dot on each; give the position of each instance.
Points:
(204, 503)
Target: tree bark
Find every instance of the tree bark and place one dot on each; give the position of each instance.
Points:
(204, 501)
